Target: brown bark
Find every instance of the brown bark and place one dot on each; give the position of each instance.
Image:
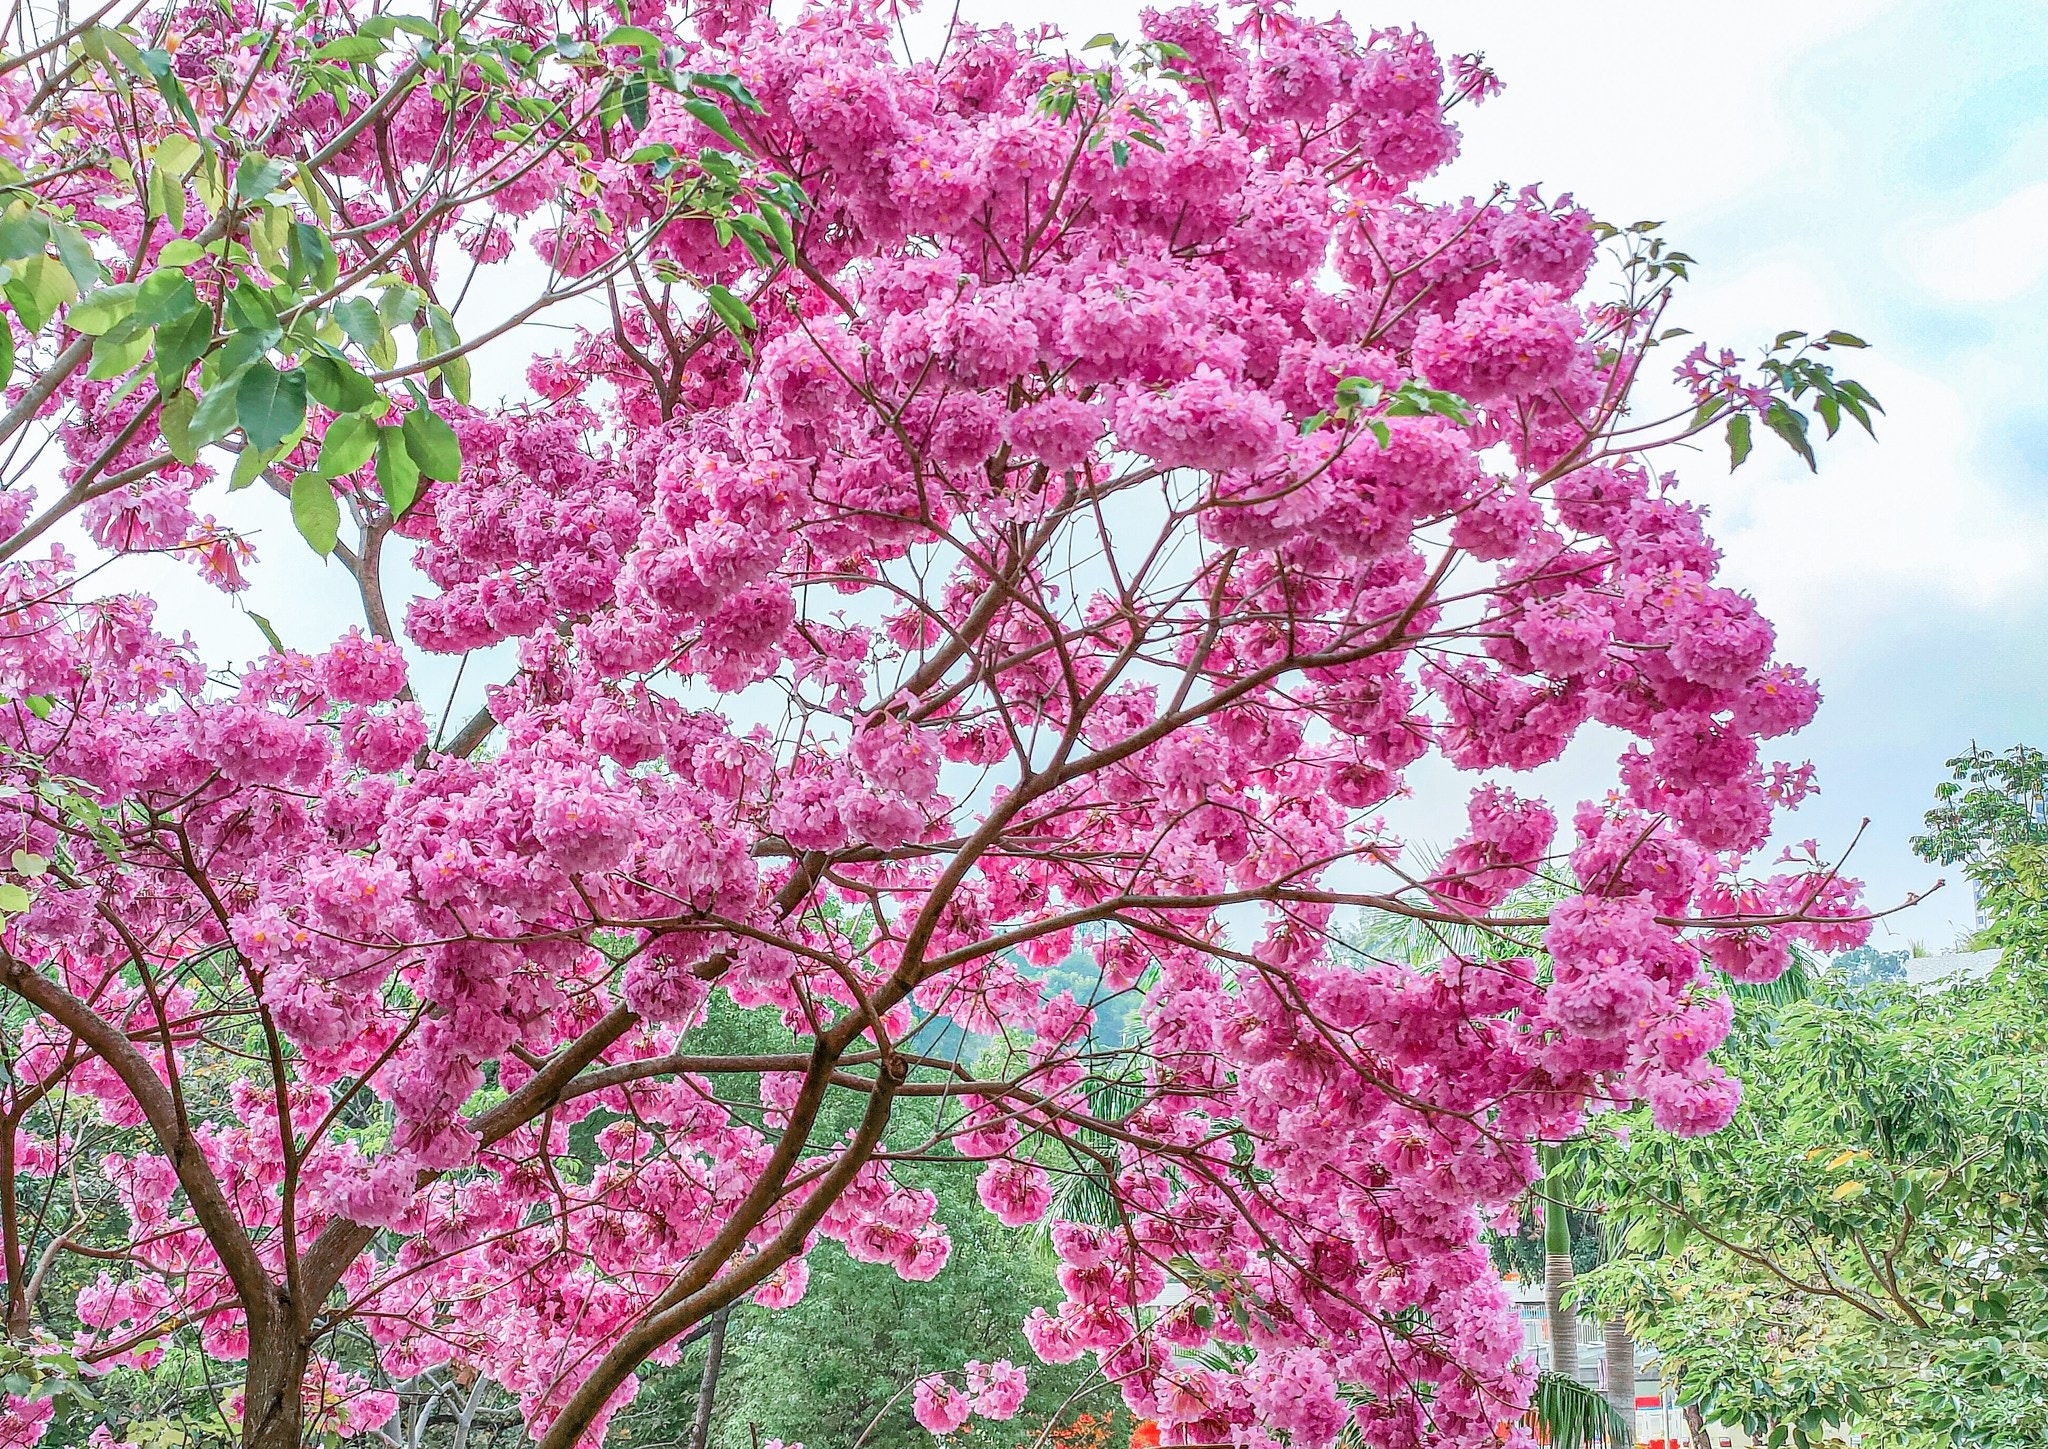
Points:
(707, 1385)
(1564, 1322)
(1696, 1425)
(274, 1408)
(1621, 1374)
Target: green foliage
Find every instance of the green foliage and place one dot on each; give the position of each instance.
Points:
(284, 330)
(1991, 818)
(822, 1372)
(1867, 1243)
(1521, 1252)
(1868, 966)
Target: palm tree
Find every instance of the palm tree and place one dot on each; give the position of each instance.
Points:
(1558, 1271)
(1621, 1377)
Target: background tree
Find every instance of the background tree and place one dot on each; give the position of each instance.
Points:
(1864, 1246)
(1868, 966)
(837, 1368)
(1991, 817)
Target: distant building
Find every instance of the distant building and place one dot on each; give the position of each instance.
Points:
(1950, 966)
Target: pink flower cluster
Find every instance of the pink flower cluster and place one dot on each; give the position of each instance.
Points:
(991, 1390)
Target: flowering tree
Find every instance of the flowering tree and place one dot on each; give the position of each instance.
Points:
(994, 506)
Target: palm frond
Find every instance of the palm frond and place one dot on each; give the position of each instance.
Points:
(1391, 936)
(1566, 1414)
(1794, 984)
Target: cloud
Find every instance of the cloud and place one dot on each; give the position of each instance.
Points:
(1995, 255)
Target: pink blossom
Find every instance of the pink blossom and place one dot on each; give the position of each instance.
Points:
(940, 1407)
(998, 1388)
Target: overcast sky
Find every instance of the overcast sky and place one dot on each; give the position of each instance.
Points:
(1876, 167)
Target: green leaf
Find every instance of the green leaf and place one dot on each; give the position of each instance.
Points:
(174, 422)
(754, 235)
(648, 43)
(1738, 441)
(728, 86)
(731, 311)
(177, 154)
(309, 258)
(24, 235)
(455, 371)
(250, 309)
(180, 253)
(164, 194)
(1572, 1415)
(398, 306)
(181, 342)
(6, 351)
(315, 512)
(712, 117)
(350, 49)
(357, 318)
(270, 404)
(336, 385)
(99, 311)
(29, 863)
(432, 445)
(77, 255)
(350, 441)
(38, 288)
(1844, 339)
(257, 175)
(264, 624)
(398, 476)
(13, 900)
(163, 295)
(634, 98)
(249, 466)
(118, 351)
(1790, 425)
(442, 339)
(778, 227)
(215, 416)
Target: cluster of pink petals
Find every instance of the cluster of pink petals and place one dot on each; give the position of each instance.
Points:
(991, 1390)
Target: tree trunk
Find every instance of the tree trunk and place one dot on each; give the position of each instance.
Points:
(1696, 1424)
(1621, 1374)
(707, 1386)
(1558, 1274)
(1564, 1321)
(273, 1391)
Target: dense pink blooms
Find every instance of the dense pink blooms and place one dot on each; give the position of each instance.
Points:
(1506, 340)
(363, 670)
(995, 522)
(1204, 422)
